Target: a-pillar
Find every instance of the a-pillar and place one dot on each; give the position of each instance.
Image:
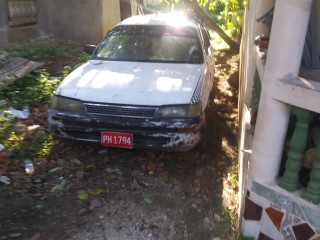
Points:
(287, 38)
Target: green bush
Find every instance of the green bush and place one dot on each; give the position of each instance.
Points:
(36, 51)
(34, 89)
(228, 14)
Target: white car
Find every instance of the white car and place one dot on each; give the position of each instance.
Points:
(146, 85)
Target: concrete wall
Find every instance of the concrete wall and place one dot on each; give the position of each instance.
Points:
(111, 16)
(13, 32)
(3, 21)
(76, 20)
(81, 21)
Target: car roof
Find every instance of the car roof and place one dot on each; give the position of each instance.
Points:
(162, 19)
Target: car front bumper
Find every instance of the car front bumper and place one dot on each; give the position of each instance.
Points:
(165, 134)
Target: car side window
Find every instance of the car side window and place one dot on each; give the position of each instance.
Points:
(206, 40)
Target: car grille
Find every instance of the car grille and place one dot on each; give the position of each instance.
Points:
(115, 110)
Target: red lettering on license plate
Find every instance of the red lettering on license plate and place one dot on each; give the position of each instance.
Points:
(115, 139)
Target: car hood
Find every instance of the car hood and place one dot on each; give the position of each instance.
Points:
(134, 83)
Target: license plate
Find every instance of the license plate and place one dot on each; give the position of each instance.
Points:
(115, 139)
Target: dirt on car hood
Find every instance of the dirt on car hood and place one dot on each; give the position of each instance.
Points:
(135, 83)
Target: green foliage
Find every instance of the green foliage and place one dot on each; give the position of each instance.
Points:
(5, 126)
(22, 148)
(228, 14)
(34, 89)
(36, 51)
(83, 58)
(67, 69)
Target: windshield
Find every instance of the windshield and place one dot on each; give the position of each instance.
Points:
(151, 44)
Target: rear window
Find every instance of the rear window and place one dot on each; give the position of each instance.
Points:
(151, 44)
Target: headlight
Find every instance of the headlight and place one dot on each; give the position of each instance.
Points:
(67, 104)
(179, 111)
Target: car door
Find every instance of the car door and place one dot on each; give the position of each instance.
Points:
(208, 66)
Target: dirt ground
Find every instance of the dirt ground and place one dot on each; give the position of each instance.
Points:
(87, 192)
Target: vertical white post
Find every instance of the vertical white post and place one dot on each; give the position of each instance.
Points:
(287, 38)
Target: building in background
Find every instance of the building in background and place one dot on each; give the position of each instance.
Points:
(68, 20)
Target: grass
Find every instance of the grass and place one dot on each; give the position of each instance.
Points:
(33, 90)
(37, 51)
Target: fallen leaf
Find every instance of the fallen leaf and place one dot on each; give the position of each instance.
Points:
(4, 179)
(151, 166)
(15, 235)
(54, 169)
(217, 217)
(38, 180)
(77, 161)
(82, 195)
(109, 170)
(97, 191)
(36, 236)
(147, 200)
(59, 187)
(163, 174)
(95, 203)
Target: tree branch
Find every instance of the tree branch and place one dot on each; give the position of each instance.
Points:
(234, 46)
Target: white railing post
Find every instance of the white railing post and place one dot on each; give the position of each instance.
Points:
(287, 38)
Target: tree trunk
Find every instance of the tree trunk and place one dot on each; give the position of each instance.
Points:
(141, 7)
(201, 15)
(210, 23)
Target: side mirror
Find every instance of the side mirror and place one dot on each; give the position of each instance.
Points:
(89, 49)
